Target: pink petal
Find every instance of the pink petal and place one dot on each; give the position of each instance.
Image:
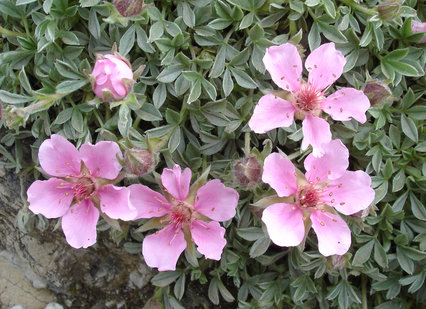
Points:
(147, 202)
(316, 132)
(209, 238)
(325, 65)
(176, 182)
(346, 103)
(284, 223)
(51, 198)
(285, 66)
(58, 157)
(121, 69)
(279, 173)
(114, 201)
(349, 193)
(216, 201)
(101, 159)
(418, 27)
(334, 235)
(119, 88)
(271, 112)
(163, 248)
(331, 165)
(79, 224)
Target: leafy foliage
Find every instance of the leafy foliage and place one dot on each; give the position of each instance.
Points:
(203, 76)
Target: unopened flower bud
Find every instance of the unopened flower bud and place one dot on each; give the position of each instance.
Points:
(138, 162)
(247, 172)
(389, 10)
(362, 213)
(112, 77)
(377, 92)
(128, 8)
(419, 27)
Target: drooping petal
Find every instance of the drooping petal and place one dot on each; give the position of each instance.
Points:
(285, 66)
(346, 103)
(325, 65)
(51, 198)
(331, 165)
(349, 193)
(284, 223)
(279, 173)
(147, 202)
(334, 235)
(101, 159)
(209, 237)
(58, 157)
(271, 112)
(176, 182)
(163, 248)
(216, 201)
(316, 132)
(114, 201)
(79, 224)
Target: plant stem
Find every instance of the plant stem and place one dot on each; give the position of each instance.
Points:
(247, 143)
(364, 291)
(360, 8)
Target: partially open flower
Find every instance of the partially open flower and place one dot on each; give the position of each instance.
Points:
(417, 26)
(112, 77)
(128, 8)
(377, 92)
(247, 172)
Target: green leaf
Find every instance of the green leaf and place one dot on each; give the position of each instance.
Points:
(409, 128)
(174, 140)
(243, 79)
(22, 2)
(380, 255)
(127, 41)
(164, 278)
(77, 120)
(417, 207)
(94, 27)
(189, 19)
(210, 89)
(251, 233)
(69, 86)
(195, 91)
(124, 120)
(398, 181)
(329, 8)
(13, 98)
(363, 254)
(179, 288)
(228, 84)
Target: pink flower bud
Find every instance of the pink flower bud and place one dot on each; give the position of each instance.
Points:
(247, 172)
(138, 162)
(419, 27)
(377, 92)
(128, 8)
(338, 261)
(112, 77)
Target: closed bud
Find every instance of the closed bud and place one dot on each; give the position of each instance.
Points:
(14, 117)
(389, 10)
(338, 261)
(138, 162)
(377, 92)
(128, 8)
(112, 77)
(247, 172)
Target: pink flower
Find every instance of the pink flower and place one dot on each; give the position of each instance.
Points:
(417, 26)
(185, 215)
(326, 185)
(112, 77)
(81, 186)
(306, 100)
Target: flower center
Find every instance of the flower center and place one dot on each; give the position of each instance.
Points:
(180, 214)
(309, 196)
(84, 188)
(307, 98)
